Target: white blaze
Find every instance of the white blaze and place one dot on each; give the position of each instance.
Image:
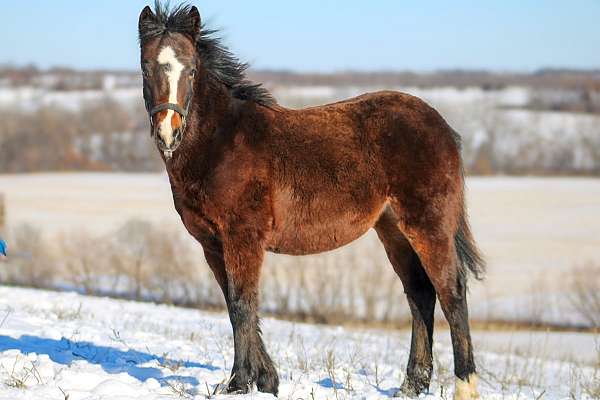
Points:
(174, 67)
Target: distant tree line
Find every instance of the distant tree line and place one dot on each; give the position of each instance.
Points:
(545, 78)
(107, 136)
(64, 78)
(101, 136)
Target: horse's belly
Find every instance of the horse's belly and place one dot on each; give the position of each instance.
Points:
(302, 230)
(315, 238)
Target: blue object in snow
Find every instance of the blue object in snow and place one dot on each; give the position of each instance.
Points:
(2, 247)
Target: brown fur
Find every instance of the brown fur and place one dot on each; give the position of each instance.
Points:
(249, 178)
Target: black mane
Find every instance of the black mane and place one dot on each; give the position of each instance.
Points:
(221, 64)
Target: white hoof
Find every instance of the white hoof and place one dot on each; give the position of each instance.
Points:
(466, 390)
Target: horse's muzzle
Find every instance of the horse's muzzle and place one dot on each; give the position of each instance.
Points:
(168, 150)
(177, 130)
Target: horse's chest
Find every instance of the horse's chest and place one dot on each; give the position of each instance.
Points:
(210, 208)
(191, 202)
(197, 224)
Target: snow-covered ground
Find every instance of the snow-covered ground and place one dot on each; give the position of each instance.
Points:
(68, 346)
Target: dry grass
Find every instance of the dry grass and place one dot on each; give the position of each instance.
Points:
(149, 262)
(34, 267)
(585, 293)
(146, 262)
(21, 374)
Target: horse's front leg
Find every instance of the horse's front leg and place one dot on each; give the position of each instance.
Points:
(243, 254)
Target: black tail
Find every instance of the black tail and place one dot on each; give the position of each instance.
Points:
(469, 257)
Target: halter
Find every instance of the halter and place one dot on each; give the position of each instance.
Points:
(168, 106)
(182, 111)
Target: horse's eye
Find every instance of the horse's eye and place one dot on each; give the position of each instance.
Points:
(192, 73)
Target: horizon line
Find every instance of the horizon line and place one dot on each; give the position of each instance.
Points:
(424, 71)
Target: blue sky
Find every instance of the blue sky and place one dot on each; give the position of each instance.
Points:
(321, 35)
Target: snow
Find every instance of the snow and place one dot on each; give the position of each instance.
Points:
(29, 98)
(97, 348)
(510, 96)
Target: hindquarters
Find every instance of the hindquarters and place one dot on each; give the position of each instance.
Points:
(422, 164)
(423, 168)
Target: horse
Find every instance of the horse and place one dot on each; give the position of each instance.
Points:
(250, 176)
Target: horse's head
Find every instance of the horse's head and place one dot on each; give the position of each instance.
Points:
(169, 63)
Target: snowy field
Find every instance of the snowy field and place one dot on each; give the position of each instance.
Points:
(533, 231)
(67, 346)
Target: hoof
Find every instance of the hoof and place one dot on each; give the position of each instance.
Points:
(239, 383)
(466, 390)
(242, 382)
(412, 388)
(268, 381)
(232, 389)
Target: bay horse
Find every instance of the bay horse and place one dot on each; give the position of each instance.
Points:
(250, 176)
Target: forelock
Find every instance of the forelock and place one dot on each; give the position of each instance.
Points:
(175, 20)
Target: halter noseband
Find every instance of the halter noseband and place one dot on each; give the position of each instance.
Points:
(168, 106)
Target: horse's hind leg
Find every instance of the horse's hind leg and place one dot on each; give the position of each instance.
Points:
(454, 305)
(421, 299)
(432, 235)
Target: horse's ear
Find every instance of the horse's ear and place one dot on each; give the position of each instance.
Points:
(195, 15)
(145, 16)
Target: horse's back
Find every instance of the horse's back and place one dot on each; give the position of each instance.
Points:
(381, 138)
